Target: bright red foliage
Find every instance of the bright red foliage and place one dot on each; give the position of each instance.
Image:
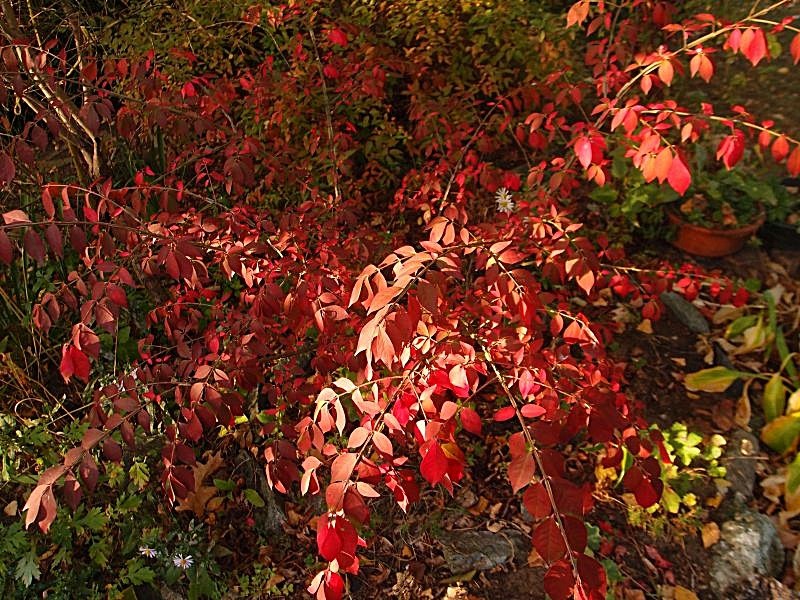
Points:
(290, 308)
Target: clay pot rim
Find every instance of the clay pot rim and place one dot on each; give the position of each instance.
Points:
(676, 219)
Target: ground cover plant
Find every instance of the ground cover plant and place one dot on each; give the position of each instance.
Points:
(317, 264)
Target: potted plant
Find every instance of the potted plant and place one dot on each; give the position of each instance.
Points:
(721, 211)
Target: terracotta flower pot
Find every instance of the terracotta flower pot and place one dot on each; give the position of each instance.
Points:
(711, 243)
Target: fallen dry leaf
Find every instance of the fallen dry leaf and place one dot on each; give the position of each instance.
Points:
(710, 533)
(726, 313)
(681, 593)
(10, 509)
(743, 412)
(199, 501)
(535, 559)
(645, 326)
(481, 506)
(723, 414)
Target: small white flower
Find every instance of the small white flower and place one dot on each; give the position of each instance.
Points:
(183, 562)
(148, 552)
(505, 202)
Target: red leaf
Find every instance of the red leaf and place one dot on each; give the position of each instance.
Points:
(470, 420)
(66, 368)
(536, 501)
(15, 216)
(666, 71)
(382, 443)
(343, 466)
(576, 533)
(526, 383)
(338, 37)
(780, 148)
(754, 45)
(511, 256)
(521, 470)
(333, 586)
(702, 65)
(47, 510)
(47, 203)
(89, 472)
(72, 491)
(117, 295)
(89, 72)
(794, 48)
(679, 177)
(384, 297)
(7, 171)
(74, 362)
(583, 150)
(663, 164)
(505, 413)
(577, 13)
(434, 464)
(531, 411)
(793, 164)
(90, 438)
(548, 541)
(54, 239)
(112, 450)
(6, 249)
(34, 246)
(586, 281)
(593, 576)
(642, 487)
(731, 149)
(328, 542)
(559, 581)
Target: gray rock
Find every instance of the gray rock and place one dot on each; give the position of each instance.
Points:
(685, 312)
(749, 546)
(740, 466)
(482, 550)
(759, 587)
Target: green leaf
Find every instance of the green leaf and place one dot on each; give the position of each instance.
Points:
(781, 434)
(714, 380)
(28, 568)
(774, 400)
(793, 478)
(593, 537)
(137, 573)
(129, 503)
(739, 325)
(670, 500)
(687, 454)
(254, 498)
(224, 485)
(202, 585)
(93, 521)
(139, 474)
(99, 552)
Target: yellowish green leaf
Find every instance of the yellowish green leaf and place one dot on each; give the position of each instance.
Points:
(774, 402)
(714, 380)
(781, 434)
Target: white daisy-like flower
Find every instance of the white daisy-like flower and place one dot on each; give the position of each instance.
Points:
(183, 562)
(148, 552)
(505, 201)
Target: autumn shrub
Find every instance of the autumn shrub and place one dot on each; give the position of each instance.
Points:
(349, 255)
